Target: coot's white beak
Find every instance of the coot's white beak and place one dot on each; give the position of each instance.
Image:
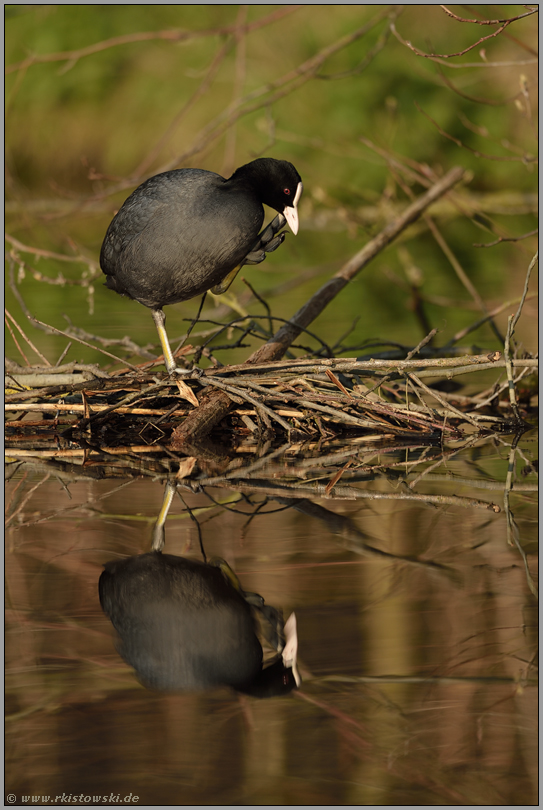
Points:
(290, 650)
(291, 211)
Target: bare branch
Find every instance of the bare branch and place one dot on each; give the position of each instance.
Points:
(506, 239)
(170, 35)
(489, 22)
(440, 57)
(502, 23)
(476, 152)
(49, 254)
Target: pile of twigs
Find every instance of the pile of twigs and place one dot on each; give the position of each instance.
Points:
(307, 400)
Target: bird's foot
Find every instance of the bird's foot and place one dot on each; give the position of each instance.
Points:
(182, 372)
(268, 241)
(192, 373)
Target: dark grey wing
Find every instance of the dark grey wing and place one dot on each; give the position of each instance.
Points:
(127, 225)
(140, 208)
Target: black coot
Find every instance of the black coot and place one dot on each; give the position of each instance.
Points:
(188, 625)
(187, 231)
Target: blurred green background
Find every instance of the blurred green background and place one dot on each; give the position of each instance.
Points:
(100, 97)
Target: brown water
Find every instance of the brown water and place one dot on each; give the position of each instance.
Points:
(418, 674)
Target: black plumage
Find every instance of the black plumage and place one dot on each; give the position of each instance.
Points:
(187, 231)
(187, 625)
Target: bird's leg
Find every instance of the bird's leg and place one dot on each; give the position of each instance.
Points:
(160, 323)
(268, 241)
(228, 574)
(223, 285)
(158, 528)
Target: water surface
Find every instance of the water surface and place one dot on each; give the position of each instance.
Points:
(417, 663)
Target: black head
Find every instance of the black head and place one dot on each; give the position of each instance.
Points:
(280, 676)
(277, 184)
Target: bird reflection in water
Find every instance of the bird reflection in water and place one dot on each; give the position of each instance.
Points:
(188, 625)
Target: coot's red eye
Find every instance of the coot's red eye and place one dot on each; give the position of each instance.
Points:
(286, 191)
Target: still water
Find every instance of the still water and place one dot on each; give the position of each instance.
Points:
(418, 664)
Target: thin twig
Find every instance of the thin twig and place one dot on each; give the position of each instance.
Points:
(513, 537)
(525, 291)
(170, 35)
(34, 349)
(509, 369)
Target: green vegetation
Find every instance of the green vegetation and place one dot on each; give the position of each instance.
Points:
(99, 97)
